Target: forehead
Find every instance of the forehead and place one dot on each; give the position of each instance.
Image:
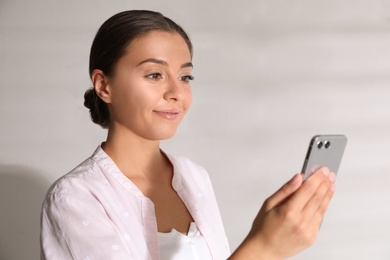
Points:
(159, 44)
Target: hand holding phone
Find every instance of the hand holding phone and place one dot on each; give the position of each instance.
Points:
(307, 204)
(324, 151)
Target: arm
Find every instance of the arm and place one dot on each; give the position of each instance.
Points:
(289, 220)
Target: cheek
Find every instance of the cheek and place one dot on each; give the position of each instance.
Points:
(188, 99)
(138, 96)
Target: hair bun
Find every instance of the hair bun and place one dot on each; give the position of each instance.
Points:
(98, 109)
(88, 98)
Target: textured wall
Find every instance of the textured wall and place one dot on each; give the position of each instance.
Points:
(269, 75)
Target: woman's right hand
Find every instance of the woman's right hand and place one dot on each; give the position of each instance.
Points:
(289, 220)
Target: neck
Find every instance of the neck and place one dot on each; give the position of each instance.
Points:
(134, 156)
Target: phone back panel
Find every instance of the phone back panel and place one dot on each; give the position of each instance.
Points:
(324, 150)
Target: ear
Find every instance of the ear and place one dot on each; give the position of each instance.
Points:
(101, 86)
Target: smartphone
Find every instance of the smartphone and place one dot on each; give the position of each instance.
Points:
(324, 150)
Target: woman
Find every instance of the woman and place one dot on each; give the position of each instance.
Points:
(130, 200)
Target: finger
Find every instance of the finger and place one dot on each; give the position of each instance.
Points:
(308, 188)
(284, 192)
(315, 202)
(332, 178)
(324, 206)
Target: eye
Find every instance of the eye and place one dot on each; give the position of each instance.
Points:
(154, 76)
(186, 78)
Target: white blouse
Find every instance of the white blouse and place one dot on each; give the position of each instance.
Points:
(96, 212)
(177, 246)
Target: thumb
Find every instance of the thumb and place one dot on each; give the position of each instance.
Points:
(284, 192)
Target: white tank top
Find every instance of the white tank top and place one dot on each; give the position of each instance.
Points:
(177, 246)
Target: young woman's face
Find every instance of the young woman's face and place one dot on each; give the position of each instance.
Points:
(150, 88)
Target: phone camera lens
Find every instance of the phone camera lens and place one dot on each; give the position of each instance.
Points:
(320, 144)
(327, 144)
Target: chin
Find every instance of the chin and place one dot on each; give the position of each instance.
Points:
(162, 135)
(166, 136)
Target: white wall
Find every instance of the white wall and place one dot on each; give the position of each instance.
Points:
(269, 75)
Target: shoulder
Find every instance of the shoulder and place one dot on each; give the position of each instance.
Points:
(76, 183)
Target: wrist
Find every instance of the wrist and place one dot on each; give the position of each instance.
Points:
(253, 248)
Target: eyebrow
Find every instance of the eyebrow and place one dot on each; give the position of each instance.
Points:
(162, 62)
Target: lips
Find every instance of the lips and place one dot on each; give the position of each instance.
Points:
(168, 114)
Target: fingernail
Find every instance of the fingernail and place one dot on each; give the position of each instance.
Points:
(332, 177)
(325, 171)
(294, 180)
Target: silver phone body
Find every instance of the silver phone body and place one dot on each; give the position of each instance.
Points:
(324, 150)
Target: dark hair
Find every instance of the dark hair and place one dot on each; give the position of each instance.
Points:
(110, 44)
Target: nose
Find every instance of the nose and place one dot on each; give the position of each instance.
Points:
(174, 90)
